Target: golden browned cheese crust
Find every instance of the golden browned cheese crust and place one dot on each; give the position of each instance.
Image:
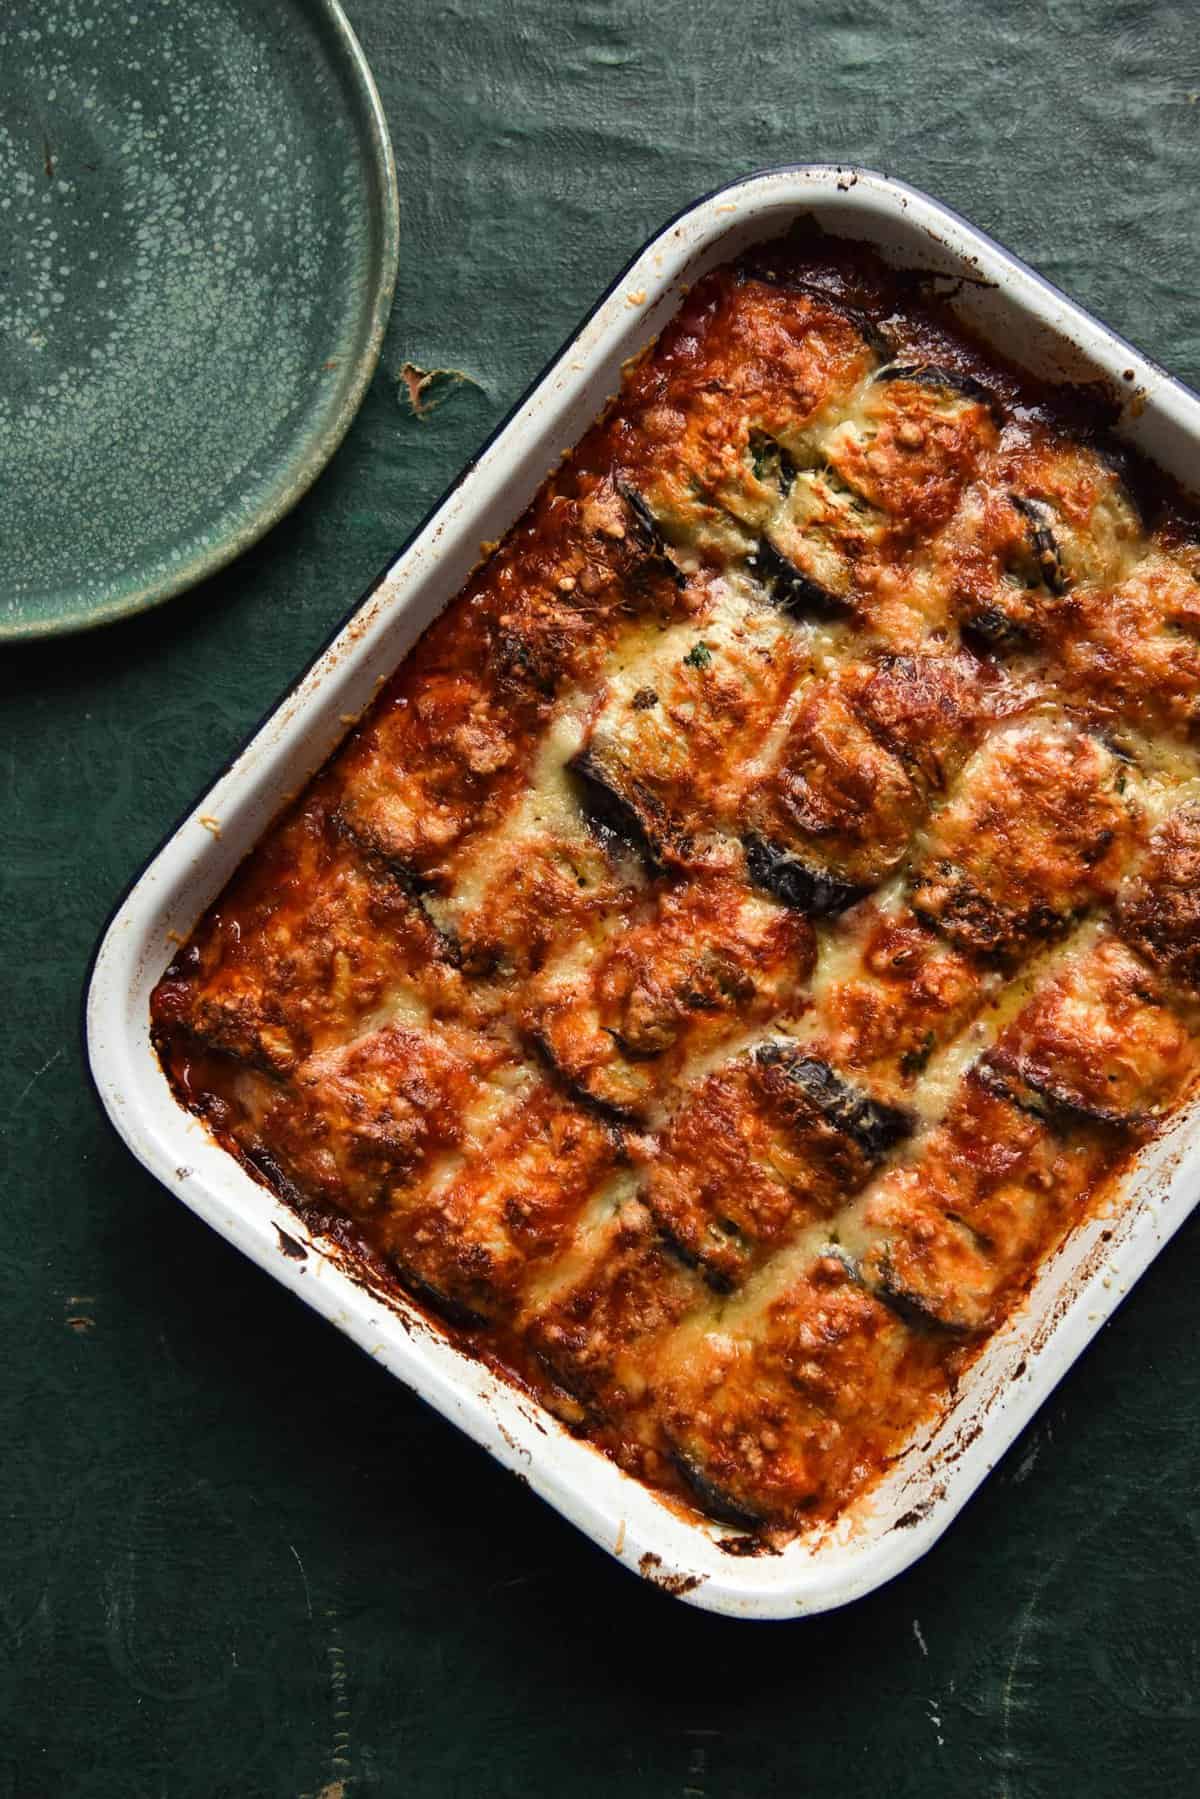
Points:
(1158, 910)
(775, 1412)
(698, 962)
(308, 942)
(771, 1141)
(1037, 831)
(760, 917)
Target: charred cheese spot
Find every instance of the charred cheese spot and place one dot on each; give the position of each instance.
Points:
(1158, 909)
(707, 958)
(1037, 831)
(762, 1147)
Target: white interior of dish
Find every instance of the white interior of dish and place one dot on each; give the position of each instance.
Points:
(1019, 314)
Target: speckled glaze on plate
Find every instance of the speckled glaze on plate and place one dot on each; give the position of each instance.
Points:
(198, 239)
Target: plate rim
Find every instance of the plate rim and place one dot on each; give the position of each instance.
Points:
(311, 451)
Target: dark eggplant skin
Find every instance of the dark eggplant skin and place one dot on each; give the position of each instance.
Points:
(649, 531)
(455, 1311)
(610, 814)
(723, 1284)
(870, 1123)
(936, 374)
(764, 448)
(713, 1498)
(275, 1175)
(1050, 1105)
(1046, 552)
(793, 592)
(911, 1307)
(795, 883)
(615, 1118)
(990, 632)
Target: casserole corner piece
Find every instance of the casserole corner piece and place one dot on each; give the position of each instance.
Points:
(721, 1026)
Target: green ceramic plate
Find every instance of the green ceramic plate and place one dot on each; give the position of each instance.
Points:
(198, 229)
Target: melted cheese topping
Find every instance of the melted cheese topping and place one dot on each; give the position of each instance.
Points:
(760, 916)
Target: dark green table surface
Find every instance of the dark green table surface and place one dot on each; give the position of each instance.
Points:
(235, 1557)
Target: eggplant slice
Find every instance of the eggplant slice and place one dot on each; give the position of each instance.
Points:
(766, 1144)
(813, 891)
(792, 591)
(1009, 622)
(1097, 1044)
(872, 332)
(915, 1303)
(649, 532)
(872, 1125)
(1046, 554)
(937, 375)
(1051, 1104)
(915, 1308)
(619, 1118)
(616, 818)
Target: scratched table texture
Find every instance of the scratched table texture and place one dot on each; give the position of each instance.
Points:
(236, 1558)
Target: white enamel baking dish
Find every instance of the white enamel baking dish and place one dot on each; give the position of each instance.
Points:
(1018, 313)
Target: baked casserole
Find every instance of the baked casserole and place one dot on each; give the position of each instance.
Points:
(762, 914)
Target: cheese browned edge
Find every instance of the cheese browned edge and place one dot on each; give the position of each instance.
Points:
(758, 919)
